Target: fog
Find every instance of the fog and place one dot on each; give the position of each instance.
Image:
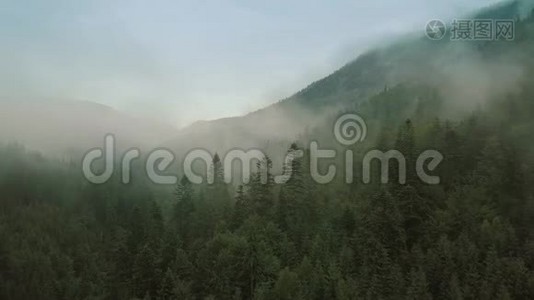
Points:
(184, 61)
(463, 75)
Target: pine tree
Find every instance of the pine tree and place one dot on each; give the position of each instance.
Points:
(145, 272)
(184, 208)
(261, 189)
(286, 287)
(242, 207)
(219, 198)
(418, 286)
(166, 289)
(405, 144)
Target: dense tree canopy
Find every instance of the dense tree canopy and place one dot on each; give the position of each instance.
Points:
(470, 236)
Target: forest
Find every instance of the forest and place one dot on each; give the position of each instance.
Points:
(469, 237)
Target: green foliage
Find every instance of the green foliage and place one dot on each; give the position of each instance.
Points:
(469, 237)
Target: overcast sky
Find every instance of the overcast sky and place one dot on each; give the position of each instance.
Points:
(181, 61)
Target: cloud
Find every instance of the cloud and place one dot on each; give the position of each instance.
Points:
(189, 60)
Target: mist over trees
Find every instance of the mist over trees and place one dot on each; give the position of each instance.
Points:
(469, 237)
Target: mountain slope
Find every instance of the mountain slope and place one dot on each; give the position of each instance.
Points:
(466, 74)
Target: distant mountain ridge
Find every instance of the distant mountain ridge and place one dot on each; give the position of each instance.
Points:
(465, 73)
(69, 128)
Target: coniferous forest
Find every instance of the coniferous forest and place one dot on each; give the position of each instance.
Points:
(469, 237)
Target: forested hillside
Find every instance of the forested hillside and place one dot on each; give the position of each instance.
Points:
(466, 73)
(469, 237)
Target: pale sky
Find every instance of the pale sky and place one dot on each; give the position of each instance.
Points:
(181, 61)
